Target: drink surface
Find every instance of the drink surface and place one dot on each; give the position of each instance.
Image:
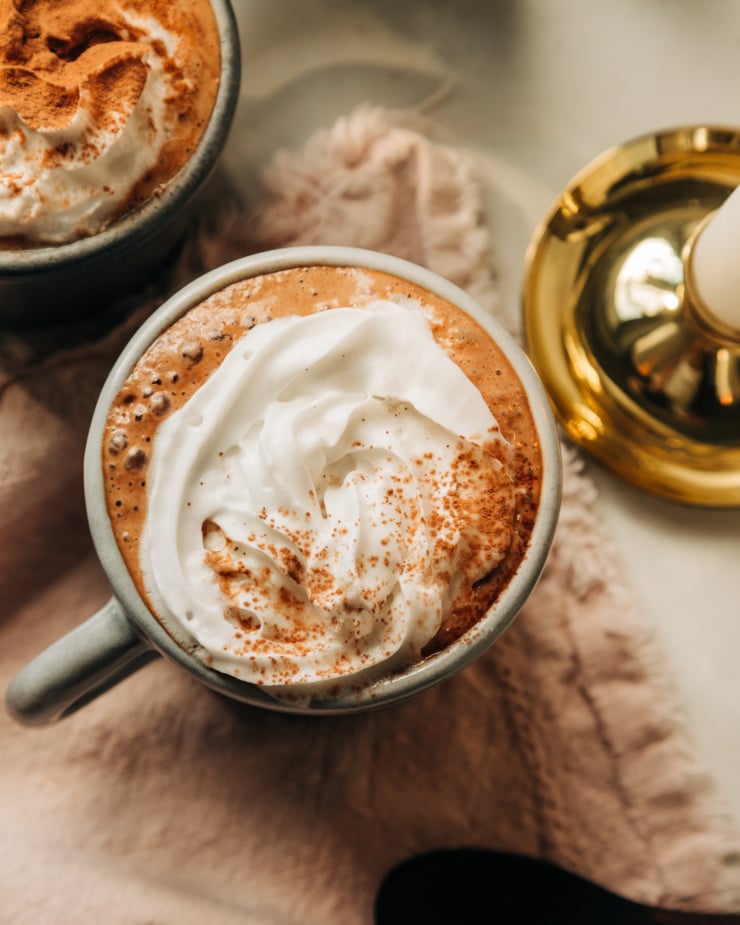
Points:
(101, 103)
(321, 474)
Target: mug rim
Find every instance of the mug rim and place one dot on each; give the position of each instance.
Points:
(146, 220)
(422, 674)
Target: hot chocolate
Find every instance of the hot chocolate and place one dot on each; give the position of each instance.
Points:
(101, 103)
(320, 475)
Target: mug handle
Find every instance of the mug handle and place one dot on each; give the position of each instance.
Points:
(75, 669)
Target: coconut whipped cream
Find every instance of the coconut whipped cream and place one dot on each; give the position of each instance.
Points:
(314, 506)
(86, 110)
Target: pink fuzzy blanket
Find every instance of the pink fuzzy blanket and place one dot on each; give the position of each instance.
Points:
(163, 803)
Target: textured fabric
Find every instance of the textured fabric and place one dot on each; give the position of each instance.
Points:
(163, 803)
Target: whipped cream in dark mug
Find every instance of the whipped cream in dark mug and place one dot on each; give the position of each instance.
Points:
(112, 116)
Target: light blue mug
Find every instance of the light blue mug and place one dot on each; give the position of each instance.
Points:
(124, 634)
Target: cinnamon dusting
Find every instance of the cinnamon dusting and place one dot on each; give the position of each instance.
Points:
(60, 56)
(479, 502)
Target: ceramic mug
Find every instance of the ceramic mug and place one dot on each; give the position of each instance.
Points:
(124, 634)
(50, 284)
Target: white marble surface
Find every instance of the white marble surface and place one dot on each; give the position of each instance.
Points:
(536, 89)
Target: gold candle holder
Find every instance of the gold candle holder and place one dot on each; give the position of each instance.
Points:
(640, 372)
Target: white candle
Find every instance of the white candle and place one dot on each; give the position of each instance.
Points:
(716, 262)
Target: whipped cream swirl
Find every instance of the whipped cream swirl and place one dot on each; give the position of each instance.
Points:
(315, 507)
(69, 168)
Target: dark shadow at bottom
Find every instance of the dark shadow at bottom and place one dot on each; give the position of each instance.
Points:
(470, 885)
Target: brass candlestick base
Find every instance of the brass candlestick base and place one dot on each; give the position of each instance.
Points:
(639, 372)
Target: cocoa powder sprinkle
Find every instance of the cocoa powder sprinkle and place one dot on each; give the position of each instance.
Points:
(500, 520)
(56, 57)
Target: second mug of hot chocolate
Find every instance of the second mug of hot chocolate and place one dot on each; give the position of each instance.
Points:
(320, 479)
(112, 116)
